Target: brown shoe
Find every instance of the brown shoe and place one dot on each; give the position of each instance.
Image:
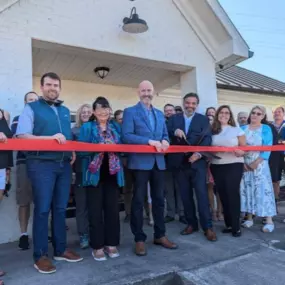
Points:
(188, 231)
(140, 248)
(165, 242)
(45, 266)
(69, 256)
(210, 235)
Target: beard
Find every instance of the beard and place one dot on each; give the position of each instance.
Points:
(51, 95)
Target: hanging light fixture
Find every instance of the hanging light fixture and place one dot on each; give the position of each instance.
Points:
(102, 71)
(134, 24)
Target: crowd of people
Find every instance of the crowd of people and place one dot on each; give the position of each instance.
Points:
(226, 184)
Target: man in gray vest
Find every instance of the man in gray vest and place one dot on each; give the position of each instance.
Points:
(49, 171)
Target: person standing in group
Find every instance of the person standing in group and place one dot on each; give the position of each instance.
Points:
(172, 194)
(103, 176)
(145, 125)
(129, 179)
(228, 170)
(48, 171)
(192, 128)
(6, 158)
(210, 111)
(217, 212)
(256, 190)
(24, 195)
(242, 118)
(82, 116)
(276, 160)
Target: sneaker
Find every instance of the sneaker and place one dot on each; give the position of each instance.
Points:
(247, 224)
(99, 255)
(44, 266)
(268, 228)
(69, 256)
(112, 251)
(84, 241)
(24, 242)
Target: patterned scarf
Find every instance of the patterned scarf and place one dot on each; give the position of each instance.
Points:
(105, 137)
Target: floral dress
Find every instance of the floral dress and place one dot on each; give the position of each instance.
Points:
(256, 189)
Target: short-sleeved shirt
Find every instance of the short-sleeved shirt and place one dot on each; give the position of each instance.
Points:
(227, 137)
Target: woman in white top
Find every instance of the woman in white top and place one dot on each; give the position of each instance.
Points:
(228, 170)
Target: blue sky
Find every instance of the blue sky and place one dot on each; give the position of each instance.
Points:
(262, 25)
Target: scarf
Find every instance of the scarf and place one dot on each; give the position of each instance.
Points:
(105, 137)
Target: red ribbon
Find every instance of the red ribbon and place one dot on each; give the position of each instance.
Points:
(52, 145)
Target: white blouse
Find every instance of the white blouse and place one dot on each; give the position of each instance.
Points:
(227, 137)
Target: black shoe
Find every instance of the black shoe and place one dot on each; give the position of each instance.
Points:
(227, 230)
(168, 219)
(182, 220)
(24, 242)
(236, 234)
(127, 219)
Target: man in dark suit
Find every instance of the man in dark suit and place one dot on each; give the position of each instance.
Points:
(145, 125)
(191, 128)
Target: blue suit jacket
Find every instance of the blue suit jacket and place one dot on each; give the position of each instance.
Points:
(199, 127)
(136, 129)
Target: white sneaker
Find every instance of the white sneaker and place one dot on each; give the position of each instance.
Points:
(268, 228)
(247, 224)
(112, 251)
(99, 257)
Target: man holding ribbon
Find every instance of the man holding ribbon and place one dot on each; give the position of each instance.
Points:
(49, 171)
(145, 125)
(191, 128)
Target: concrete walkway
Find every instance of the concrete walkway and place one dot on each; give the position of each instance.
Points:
(247, 260)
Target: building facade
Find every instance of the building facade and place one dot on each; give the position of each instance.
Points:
(186, 44)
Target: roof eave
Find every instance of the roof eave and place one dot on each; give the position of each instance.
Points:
(250, 90)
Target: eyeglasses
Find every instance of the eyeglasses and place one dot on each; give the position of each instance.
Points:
(224, 113)
(256, 113)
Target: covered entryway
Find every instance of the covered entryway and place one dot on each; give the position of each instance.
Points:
(186, 43)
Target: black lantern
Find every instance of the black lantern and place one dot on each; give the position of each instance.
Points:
(134, 24)
(102, 71)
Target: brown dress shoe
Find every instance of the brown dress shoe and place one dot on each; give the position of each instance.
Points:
(44, 265)
(140, 248)
(188, 231)
(69, 256)
(165, 242)
(210, 235)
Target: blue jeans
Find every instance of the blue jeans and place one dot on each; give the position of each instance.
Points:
(51, 187)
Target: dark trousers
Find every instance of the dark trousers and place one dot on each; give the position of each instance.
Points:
(172, 195)
(227, 177)
(103, 213)
(187, 180)
(51, 187)
(156, 179)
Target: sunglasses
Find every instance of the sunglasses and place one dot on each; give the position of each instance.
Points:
(256, 113)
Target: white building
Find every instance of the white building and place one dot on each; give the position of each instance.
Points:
(186, 43)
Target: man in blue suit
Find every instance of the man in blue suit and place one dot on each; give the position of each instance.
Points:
(145, 125)
(191, 128)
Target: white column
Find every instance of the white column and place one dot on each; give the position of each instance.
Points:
(16, 77)
(201, 80)
(15, 80)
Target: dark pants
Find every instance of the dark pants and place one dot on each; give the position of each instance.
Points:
(172, 195)
(156, 179)
(227, 178)
(81, 210)
(103, 212)
(51, 187)
(128, 192)
(187, 180)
